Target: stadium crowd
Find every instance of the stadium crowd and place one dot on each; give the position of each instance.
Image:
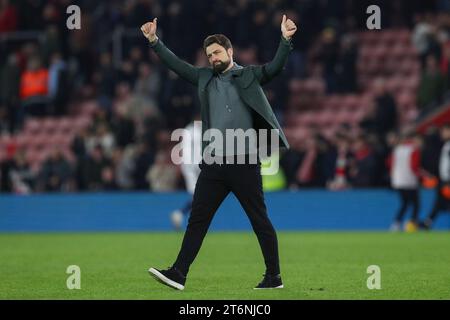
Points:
(139, 103)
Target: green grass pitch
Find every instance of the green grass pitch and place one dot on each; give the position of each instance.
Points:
(315, 265)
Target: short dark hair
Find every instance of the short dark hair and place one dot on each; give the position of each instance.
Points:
(220, 39)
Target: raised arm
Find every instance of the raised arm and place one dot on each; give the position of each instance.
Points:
(180, 67)
(268, 71)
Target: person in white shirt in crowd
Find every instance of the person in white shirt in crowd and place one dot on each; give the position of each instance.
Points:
(405, 178)
(190, 170)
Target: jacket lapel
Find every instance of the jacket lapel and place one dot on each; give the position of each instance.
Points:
(244, 77)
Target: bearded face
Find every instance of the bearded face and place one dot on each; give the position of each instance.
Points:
(218, 57)
(220, 66)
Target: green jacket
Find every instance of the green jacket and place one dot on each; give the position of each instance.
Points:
(248, 81)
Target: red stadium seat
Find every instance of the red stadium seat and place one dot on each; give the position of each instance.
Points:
(315, 86)
(295, 85)
(81, 123)
(88, 108)
(343, 117)
(308, 118)
(328, 133)
(39, 141)
(64, 125)
(350, 102)
(32, 156)
(380, 52)
(399, 50)
(301, 133)
(32, 125)
(365, 52)
(325, 118)
(404, 36)
(22, 140)
(333, 102)
(357, 116)
(405, 100)
(368, 37)
(49, 124)
(411, 83)
(68, 154)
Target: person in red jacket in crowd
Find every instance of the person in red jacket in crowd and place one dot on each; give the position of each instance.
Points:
(405, 172)
(8, 16)
(33, 90)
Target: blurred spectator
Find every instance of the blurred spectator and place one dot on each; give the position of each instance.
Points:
(383, 117)
(127, 73)
(362, 171)
(148, 83)
(423, 36)
(9, 90)
(108, 180)
(386, 118)
(291, 160)
(144, 158)
(4, 126)
(92, 169)
(8, 16)
(346, 65)
(151, 126)
(100, 117)
(106, 79)
(125, 166)
(432, 85)
(442, 199)
(405, 177)
(51, 43)
(104, 138)
(445, 62)
(6, 166)
(21, 175)
(177, 101)
(55, 172)
(325, 162)
(309, 163)
(79, 143)
(343, 159)
(79, 149)
(379, 149)
(58, 84)
(123, 127)
(326, 53)
(432, 146)
(306, 171)
(163, 174)
(34, 88)
(136, 57)
(136, 106)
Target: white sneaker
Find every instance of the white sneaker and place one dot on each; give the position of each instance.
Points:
(177, 219)
(169, 277)
(395, 227)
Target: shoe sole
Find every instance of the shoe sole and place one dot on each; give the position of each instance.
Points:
(164, 280)
(279, 287)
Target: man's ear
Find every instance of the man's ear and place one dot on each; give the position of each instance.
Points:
(230, 52)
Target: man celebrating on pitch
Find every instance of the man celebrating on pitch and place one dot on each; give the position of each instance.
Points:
(231, 97)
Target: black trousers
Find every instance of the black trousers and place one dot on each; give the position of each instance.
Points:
(440, 203)
(213, 185)
(409, 197)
